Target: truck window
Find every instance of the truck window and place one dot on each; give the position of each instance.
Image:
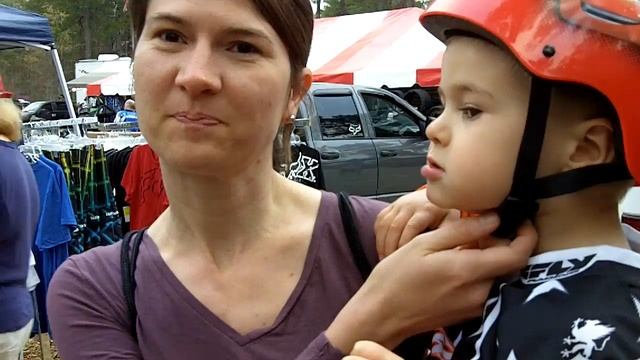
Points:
(389, 119)
(339, 118)
(299, 135)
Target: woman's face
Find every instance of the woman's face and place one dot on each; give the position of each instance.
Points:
(212, 82)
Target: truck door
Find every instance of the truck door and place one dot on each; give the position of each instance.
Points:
(348, 157)
(400, 144)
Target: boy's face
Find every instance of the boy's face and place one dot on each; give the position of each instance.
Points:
(475, 142)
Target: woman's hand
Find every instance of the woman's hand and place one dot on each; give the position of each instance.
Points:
(405, 218)
(431, 282)
(368, 350)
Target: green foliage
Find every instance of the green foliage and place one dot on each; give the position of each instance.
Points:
(82, 29)
(85, 28)
(349, 7)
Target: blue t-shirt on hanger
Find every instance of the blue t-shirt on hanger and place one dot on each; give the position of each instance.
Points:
(56, 222)
(57, 218)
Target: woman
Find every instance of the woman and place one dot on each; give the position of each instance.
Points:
(19, 210)
(246, 264)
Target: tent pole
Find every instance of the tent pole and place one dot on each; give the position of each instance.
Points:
(63, 85)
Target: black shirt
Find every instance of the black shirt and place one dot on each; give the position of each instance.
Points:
(572, 304)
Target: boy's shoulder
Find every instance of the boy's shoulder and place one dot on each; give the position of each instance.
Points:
(566, 304)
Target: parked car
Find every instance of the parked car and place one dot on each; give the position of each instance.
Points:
(45, 110)
(369, 141)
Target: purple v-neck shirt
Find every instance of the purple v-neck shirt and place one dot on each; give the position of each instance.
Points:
(89, 318)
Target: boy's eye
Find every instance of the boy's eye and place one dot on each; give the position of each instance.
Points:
(470, 113)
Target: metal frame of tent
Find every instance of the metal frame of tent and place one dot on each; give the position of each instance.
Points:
(22, 29)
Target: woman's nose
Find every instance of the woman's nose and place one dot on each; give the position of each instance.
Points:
(199, 75)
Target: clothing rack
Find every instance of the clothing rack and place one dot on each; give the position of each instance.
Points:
(52, 124)
(117, 126)
(60, 123)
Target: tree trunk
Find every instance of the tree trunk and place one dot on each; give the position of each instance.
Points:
(86, 29)
(318, 8)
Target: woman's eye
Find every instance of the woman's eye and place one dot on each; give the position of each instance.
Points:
(171, 36)
(244, 48)
(470, 113)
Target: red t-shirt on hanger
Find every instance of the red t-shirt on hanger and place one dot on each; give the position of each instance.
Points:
(142, 182)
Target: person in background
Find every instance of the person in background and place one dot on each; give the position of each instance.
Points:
(19, 211)
(127, 114)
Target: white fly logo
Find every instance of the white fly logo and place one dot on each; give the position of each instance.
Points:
(586, 337)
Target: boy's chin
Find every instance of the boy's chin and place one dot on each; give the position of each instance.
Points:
(450, 199)
(440, 198)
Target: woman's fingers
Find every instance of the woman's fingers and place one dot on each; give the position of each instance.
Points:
(457, 233)
(502, 259)
(381, 228)
(372, 351)
(415, 226)
(407, 217)
(396, 227)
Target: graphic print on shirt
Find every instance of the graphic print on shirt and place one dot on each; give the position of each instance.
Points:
(545, 288)
(636, 302)
(151, 184)
(587, 337)
(303, 168)
(537, 273)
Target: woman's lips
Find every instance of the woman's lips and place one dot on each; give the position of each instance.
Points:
(432, 171)
(196, 119)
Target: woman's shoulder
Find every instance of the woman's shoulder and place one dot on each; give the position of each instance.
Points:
(88, 285)
(98, 268)
(365, 212)
(98, 260)
(365, 209)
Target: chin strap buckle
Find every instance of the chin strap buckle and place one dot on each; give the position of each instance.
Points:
(514, 212)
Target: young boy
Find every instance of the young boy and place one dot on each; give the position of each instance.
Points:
(540, 121)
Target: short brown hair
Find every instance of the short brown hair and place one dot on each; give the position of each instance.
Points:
(292, 20)
(10, 122)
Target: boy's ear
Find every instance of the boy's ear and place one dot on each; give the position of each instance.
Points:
(593, 144)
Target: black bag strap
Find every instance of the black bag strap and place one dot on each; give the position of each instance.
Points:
(349, 222)
(413, 348)
(128, 259)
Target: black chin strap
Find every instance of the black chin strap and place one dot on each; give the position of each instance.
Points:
(521, 204)
(578, 179)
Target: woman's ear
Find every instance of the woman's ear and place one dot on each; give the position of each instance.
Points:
(594, 144)
(299, 89)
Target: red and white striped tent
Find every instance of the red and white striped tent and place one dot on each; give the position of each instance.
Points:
(374, 49)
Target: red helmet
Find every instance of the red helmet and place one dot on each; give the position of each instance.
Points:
(590, 42)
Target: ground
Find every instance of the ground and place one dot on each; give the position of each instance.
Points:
(32, 350)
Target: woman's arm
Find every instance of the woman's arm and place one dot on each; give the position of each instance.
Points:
(429, 283)
(88, 322)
